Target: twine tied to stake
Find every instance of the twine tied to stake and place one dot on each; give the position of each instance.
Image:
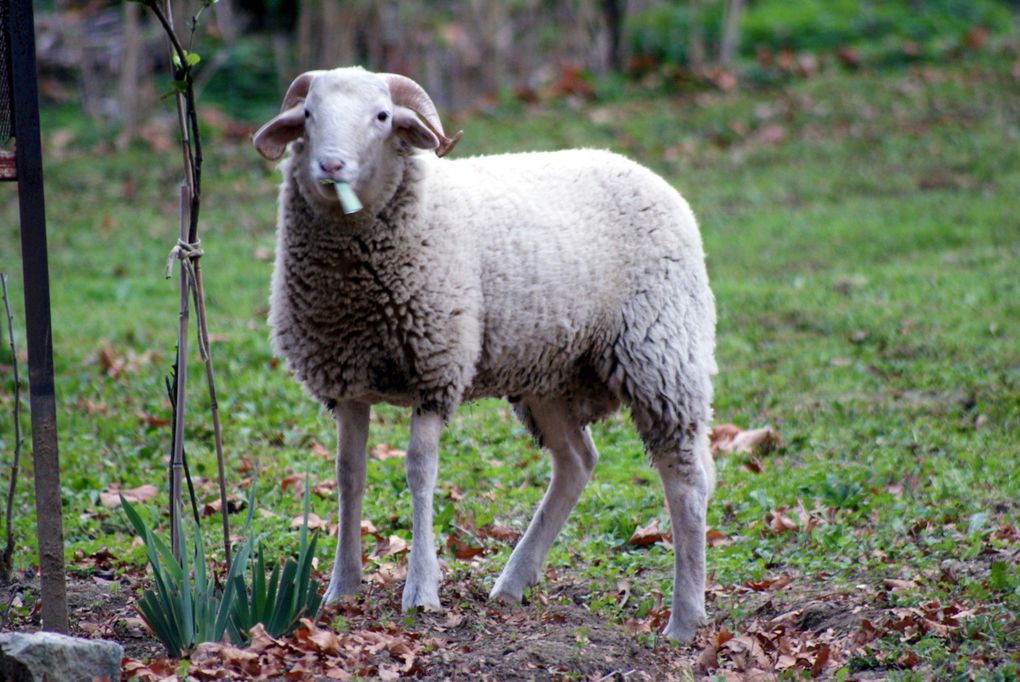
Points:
(189, 253)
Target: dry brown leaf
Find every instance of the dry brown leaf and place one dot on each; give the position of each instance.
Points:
(326, 640)
(462, 548)
(151, 420)
(777, 522)
(501, 533)
(314, 522)
(325, 488)
(730, 439)
(143, 493)
(388, 575)
(895, 585)
(646, 535)
(623, 589)
(295, 482)
(386, 451)
(388, 674)
(753, 464)
(715, 538)
(392, 545)
(320, 450)
(908, 659)
(821, 658)
(770, 584)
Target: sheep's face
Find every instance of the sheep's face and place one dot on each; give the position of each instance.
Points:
(348, 117)
(344, 125)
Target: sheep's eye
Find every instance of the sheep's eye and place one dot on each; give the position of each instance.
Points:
(308, 114)
(382, 116)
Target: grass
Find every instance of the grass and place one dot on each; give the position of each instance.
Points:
(862, 239)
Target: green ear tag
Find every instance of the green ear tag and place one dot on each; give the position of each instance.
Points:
(348, 199)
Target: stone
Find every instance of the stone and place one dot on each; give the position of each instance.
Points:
(38, 656)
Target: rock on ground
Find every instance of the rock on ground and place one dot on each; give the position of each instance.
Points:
(33, 657)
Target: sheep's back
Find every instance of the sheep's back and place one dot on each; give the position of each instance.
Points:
(565, 239)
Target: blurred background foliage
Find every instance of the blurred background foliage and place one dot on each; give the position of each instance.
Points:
(106, 56)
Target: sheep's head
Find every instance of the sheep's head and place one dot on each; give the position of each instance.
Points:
(344, 120)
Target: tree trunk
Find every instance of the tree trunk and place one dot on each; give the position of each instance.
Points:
(129, 103)
(696, 51)
(730, 42)
(227, 20)
(615, 12)
(308, 32)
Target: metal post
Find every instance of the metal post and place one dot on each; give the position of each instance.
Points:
(37, 317)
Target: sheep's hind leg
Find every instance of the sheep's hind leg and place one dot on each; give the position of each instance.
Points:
(422, 586)
(687, 483)
(573, 459)
(352, 434)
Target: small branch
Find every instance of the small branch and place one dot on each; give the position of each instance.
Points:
(214, 408)
(190, 270)
(171, 392)
(12, 594)
(6, 559)
(171, 35)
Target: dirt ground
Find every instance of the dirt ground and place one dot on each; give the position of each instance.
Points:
(791, 625)
(554, 638)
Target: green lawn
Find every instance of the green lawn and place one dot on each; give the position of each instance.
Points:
(863, 239)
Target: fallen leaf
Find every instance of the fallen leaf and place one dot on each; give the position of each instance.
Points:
(501, 533)
(394, 544)
(848, 57)
(263, 254)
(295, 482)
(144, 493)
(769, 584)
(314, 522)
(895, 585)
(463, 550)
(821, 658)
(320, 450)
(908, 659)
(646, 535)
(752, 464)
(384, 451)
(730, 439)
(714, 538)
(326, 640)
(325, 488)
(778, 522)
(771, 134)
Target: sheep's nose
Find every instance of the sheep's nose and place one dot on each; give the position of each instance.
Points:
(331, 165)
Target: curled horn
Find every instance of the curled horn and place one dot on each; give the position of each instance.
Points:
(406, 93)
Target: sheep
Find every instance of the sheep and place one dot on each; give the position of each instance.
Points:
(569, 282)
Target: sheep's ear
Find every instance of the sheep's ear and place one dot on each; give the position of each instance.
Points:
(409, 127)
(271, 140)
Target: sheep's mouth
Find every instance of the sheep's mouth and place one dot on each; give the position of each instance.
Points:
(345, 194)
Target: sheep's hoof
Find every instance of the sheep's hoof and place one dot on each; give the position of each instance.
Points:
(420, 596)
(680, 632)
(340, 588)
(505, 593)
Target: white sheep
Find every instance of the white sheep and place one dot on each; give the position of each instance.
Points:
(569, 282)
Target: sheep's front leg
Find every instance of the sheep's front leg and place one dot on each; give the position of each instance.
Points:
(422, 587)
(352, 434)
